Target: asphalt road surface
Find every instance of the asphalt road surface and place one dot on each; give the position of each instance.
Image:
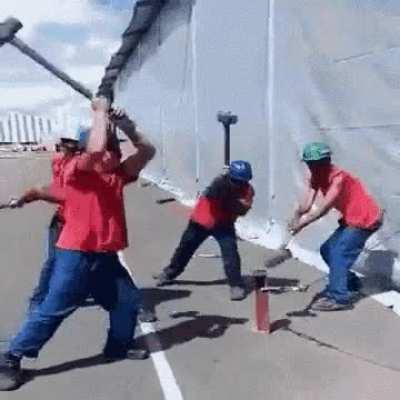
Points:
(203, 345)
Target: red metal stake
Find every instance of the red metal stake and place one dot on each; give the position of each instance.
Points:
(262, 311)
(262, 323)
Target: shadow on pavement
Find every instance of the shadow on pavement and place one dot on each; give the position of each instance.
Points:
(200, 283)
(151, 297)
(198, 326)
(248, 279)
(155, 296)
(85, 362)
(278, 324)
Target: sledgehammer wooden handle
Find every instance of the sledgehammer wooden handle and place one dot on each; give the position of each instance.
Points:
(35, 56)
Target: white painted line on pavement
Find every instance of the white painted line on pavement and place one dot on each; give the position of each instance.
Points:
(164, 371)
(165, 374)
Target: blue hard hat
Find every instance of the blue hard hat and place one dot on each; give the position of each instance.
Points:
(240, 170)
(83, 134)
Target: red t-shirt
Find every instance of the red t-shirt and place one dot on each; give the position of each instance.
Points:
(94, 209)
(214, 207)
(356, 205)
(58, 164)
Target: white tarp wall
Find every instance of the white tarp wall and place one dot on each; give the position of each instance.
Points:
(293, 71)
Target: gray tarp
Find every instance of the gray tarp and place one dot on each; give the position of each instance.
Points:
(293, 71)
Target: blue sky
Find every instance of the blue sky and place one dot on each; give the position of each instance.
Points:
(77, 35)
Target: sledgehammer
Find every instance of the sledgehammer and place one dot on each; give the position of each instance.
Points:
(282, 254)
(10, 204)
(8, 30)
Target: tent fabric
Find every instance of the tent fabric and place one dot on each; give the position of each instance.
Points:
(144, 14)
(293, 72)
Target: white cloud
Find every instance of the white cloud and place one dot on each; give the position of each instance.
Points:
(28, 86)
(111, 45)
(70, 51)
(30, 97)
(89, 75)
(31, 13)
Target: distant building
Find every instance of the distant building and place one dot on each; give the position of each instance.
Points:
(17, 127)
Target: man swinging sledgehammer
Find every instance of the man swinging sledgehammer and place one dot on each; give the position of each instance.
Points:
(228, 197)
(361, 216)
(86, 255)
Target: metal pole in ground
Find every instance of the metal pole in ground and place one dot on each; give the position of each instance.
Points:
(261, 302)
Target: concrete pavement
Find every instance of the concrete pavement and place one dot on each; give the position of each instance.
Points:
(207, 340)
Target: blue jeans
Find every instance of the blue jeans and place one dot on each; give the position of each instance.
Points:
(340, 252)
(193, 236)
(75, 274)
(41, 289)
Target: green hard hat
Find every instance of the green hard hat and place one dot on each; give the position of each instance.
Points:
(316, 151)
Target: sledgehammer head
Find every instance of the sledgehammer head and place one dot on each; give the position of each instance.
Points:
(8, 29)
(280, 257)
(227, 118)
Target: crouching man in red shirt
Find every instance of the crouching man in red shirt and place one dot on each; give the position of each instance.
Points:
(86, 251)
(361, 216)
(228, 197)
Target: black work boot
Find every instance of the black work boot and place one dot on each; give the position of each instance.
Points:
(10, 372)
(163, 279)
(132, 354)
(137, 354)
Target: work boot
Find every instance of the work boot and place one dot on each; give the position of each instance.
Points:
(89, 301)
(146, 315)
(10, 372)
(131, 354)
(163, 279)
(137, 354)
(237, 293)
(328, 304)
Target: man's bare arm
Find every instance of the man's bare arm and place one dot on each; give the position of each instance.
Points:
(44, 193)
(97, 141)
(145, 151)
(135, 163)
(304, 205)
(307, 201)
(325, 206)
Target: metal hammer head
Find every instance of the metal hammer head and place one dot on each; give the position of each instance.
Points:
(227, 118)
(8, 29)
